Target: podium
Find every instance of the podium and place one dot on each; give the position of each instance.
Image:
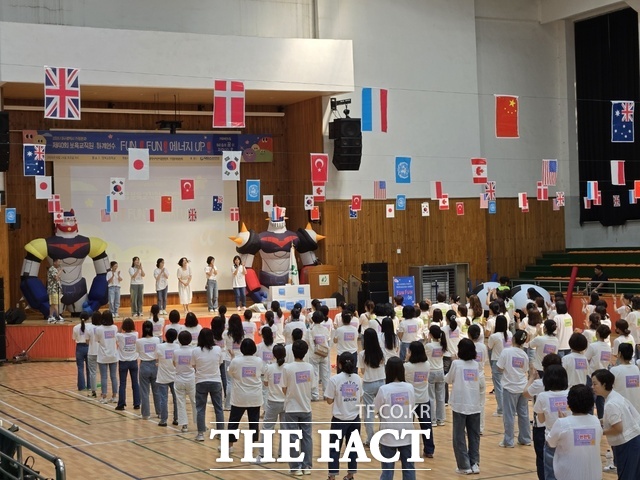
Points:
(322, 279)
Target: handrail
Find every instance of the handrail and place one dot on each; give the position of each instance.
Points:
(562, 284)
(18, 461)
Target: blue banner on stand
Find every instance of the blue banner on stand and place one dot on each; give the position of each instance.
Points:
(406, 287)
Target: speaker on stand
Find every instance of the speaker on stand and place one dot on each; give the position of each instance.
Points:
(347, 143)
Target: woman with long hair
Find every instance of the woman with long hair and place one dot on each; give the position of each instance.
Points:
(371, 361)
(184, 283)
(233, 340)
(389, 340)
(498, 341)
(206, 358)
(148, 370)
(435, 347)
(416, 370)
(128, 363)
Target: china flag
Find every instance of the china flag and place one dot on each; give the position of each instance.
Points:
(165, 204)
(507, 110)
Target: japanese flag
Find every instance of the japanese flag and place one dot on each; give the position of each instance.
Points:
(267, 203)
(43, 188)
(391, 210)
(138, 164)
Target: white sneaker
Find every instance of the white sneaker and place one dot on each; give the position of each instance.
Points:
(295, 473)
(258, 459)
(610, 468)
(230, 450)
(475, 468)
(51, 320)
(306, 471)
(184, 428)
(503, 445)
(200, 437)
(464, 472)
(60, 320)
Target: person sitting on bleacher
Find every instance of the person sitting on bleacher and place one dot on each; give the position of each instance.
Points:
(600, 279)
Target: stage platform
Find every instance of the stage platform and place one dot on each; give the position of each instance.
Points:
(57, 344)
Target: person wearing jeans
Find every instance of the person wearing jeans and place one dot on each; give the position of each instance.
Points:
(371, 361)
(107, 355)
(148, 372)
(211, 272)
(128, 363)
(239, 282)
(166, 377)
(113, 282)
(136, 288)
(498, 341)
(206, 359)
(161, 274)
(81, 335)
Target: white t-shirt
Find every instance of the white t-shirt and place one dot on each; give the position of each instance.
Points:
(599, 356)
(370, 374)
(195, 332)
(543, 346)
(346, 392)
(453, 339)
(388, 353)
(146, 348)
(515, 365)
(166, 369)
(497, 344)
(161, 279)
(273, 377)
(127, 346)
(395, 402)
(136, 276)
(182, 362)
(90, 332)
(158, 327)
(576, 439)
(207, 364)
(618, 409)
(417, 374)
(551, 404)
(78, 335)
(434, 355)
(411, 330)
(107, 350)
(465, 393)
(265, 353)
(290, 327)
(178, 327)
(233, 348)
(113, 275)
(619, 340)
(482, 355)
(246, 371)
(365, 320)
(317, 335)
(346, 338)
(297, 378)
(239, 279)
(577, 367)
(627, 383)
(564, 331)
(490, 325)
(250, 329)
(633, 319)
(211, 272)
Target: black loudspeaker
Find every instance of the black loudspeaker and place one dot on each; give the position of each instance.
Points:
(4, 141)
(347, 143)
(381, 267)
(371, 277)
(379, 297)
(3, 338)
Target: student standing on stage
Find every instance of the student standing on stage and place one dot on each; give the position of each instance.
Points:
(113, 281)
(184, 283)
(297, 380)
(136, 287)
(211, 273)
(246, 370)
(128, 363)
(166, 377)
(394, 404)
(146, 348)
(416, 371)
(344, 392)
(107, 355)
(161, 274)
(464, 375)
(81, 335)
(185, 383)
(239, 282)
(206, 358)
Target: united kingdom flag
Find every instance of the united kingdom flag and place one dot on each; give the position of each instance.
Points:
(490, 189)
(62, 93)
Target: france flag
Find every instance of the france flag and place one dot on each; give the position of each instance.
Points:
(374, 109)
(592, 190)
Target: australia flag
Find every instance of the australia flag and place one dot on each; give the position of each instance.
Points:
(622, 121)
(33, 156)
(217, 203)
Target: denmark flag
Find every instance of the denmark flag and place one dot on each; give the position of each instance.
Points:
(319, 167)
(228, 104)
(479, 170)
(542, 191)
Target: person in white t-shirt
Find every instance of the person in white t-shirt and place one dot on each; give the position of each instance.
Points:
(388, 339)
(514, 363)
(367, 317)
(416, 372)
(633, 319)
(371, 361)
(92, 353)
(435, 347)
(565, 327)
(274, 409)
(464, 375)
(297, 380)
(394, 404)
(127, 363)
(346, 338)
(500, 339)
(409, 330)
(211, 274)
(576, 363)
(185, 382)
(318, 337)
(544, 344)
(206, 358)
(192, 326)
(239, 282)
(157, 322)
(146, 348)
(161, 275)
(248, 325)
(233, 340)
(482, 357)
(293, 323)
(136, 287)
(621, 425)
(113, 281)
(174, 322)
(81, 334)
(599, 356)
(166, 377)
(246, 371)
(344, 393)
(549, 406)
(624, 336)
(576, 439)
(627, 376)
(278, 322)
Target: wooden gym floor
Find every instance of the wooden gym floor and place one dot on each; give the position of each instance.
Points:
(97, 442)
